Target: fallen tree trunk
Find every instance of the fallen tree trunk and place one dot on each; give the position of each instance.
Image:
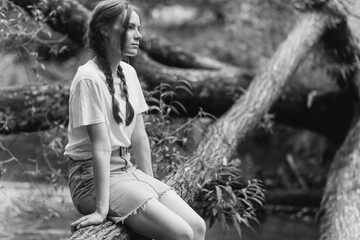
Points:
(328, 113)
(33, 108)
(106, 230)
(339, 216)
(38, 107)
(66, 16)
(69, 17)
(234, 126)
(294, 197)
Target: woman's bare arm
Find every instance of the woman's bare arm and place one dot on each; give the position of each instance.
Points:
(101, 150)
(141, 146)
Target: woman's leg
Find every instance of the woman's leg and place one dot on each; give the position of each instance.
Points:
(176, 204)
(160, 223)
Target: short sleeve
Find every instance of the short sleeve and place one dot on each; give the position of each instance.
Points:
(143, 107)
(86, 106)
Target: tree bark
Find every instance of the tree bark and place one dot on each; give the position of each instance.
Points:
(340, 214)
(340, 211)
(106, 230)
(234, 126)
(65, 16)
(33, 108)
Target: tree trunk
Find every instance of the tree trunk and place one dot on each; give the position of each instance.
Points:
(33, 108)
(69, 17)
(340, 214)
(38, 107)
(233, 127)
(106, 230)
(340, 211)
(66, 16)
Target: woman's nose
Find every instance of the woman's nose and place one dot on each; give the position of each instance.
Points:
(138, 35)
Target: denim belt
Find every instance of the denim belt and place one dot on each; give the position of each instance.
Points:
(120, 151)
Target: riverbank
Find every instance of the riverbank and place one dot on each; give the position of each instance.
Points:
(32, 211)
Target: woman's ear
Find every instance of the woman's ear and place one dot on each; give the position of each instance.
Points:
(104, 31)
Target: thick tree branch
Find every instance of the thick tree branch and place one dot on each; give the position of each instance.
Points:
(340, 212)
(234, 126)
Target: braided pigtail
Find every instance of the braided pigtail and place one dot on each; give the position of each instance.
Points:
(105, 14)
(109, 81)
(129, 109)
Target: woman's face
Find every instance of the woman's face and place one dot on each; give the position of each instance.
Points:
(132, 39)
(133, 35)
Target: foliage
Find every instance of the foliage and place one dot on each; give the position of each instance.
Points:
(46, 164)
(27, 36)
(53, 143)
(224, 197)
(166, 137)
(18, 31)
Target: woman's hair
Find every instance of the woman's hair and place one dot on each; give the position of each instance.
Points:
(105, 14)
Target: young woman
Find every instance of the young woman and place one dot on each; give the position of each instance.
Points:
(105, 118)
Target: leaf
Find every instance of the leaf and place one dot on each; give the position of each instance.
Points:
(258, 199)
(174, 109)
(244, 193)
(247, 203)
(166, 94)
(237, 226)
(179, 104)
(164, 86)
(156, 108)
(186, 83)
(189, 91)
(214, 211)
(218, 194)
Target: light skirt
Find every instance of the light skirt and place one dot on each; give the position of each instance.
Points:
(130, 188)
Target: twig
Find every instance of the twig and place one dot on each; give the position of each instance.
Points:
(295, 170)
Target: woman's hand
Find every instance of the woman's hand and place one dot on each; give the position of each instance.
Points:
(91, 219)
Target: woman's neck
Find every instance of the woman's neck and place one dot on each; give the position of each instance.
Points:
(114, 62)
(113, 58)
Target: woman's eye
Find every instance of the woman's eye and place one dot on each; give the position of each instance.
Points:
(133, 28)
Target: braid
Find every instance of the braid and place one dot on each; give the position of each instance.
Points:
(109, 81)
(104, 14)
(129, 108)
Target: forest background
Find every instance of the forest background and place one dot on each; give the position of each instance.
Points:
(290, 159)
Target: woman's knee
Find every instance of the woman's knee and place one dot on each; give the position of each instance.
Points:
(157, 221)
(182, 209)
(199, 228)
(179, 230)
(183, 233)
